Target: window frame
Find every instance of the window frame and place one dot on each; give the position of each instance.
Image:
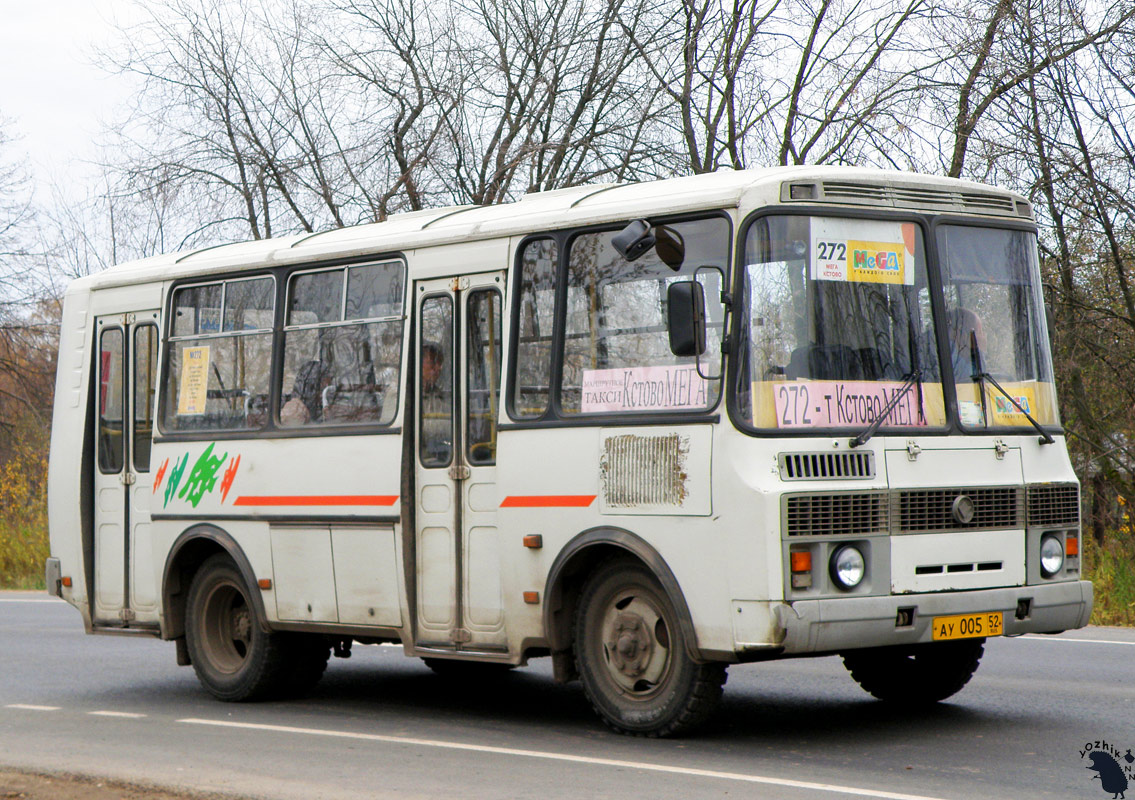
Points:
(271, 430)
(553, 415)
(276, 393)
(169, 340)
(928, 224)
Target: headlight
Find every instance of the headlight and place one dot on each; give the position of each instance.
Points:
(847, 566)
(1051, 555)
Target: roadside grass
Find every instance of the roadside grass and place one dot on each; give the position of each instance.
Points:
(23, 521)
(1111, 569)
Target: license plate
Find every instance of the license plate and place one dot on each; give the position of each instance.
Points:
(968, 626)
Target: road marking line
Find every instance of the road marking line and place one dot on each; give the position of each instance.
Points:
(605, 762)
(30, 600)
(123, 714)
(25, 707)
(1041, 638)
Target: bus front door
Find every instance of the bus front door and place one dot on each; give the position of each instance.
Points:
(125, 373)
(458, 351)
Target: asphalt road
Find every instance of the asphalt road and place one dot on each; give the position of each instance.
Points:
(382, 725)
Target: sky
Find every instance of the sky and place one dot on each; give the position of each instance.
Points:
(55, 98)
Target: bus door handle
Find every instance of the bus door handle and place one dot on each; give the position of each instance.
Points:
(459, 472)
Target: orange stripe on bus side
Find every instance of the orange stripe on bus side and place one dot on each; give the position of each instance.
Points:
(548, 501)
(317, 500)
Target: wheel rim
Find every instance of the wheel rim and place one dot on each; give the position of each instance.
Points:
(227, 624)
(635, 641)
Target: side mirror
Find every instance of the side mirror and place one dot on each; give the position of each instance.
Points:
(685, 301)
(634, 240)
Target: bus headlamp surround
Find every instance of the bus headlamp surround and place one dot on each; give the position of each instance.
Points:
(1051, 555)
(847, 566)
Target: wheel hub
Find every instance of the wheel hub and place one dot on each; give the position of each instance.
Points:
(242, 625)
(630, 644)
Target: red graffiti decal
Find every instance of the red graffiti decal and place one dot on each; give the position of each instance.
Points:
(161, 474)
(227, 481)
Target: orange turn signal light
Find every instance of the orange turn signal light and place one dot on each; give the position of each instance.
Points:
(532, 598)
(264, 583)
(1072, 545)
(534, 540)
(801, 560)
(65, 580)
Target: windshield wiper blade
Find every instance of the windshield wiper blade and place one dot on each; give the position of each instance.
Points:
(980, 376)
(869, 431)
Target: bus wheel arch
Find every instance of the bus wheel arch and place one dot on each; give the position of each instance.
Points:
(570, 572)
(189, 551)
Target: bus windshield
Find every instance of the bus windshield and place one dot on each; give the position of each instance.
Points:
(995, 326)
(836, 318)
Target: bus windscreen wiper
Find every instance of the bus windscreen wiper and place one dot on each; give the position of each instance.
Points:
(980, 376)
(914, 377)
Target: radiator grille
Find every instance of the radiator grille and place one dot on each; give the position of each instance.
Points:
(932, 509)
(837, 514)
(644, 470)
(826, 466)
(918, 197)
(1054, 505)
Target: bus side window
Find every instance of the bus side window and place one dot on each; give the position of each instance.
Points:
(111, 445)
(483, 375)
(536, 297)
(145, 382)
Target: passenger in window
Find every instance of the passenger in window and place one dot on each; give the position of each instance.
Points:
(304, 405)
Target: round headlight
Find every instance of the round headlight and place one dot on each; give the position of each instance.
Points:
(1051, 555)
(848, 566)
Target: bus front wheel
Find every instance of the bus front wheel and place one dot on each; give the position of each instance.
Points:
(234, 658)
(632, 659)
(917, 674)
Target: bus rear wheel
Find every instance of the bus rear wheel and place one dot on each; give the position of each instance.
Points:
(917, 674)
(632, 659)
(234, 658)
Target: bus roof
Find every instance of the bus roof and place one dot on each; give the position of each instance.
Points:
(560, 208)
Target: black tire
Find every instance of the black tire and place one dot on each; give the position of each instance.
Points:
(456, 669)
(917, 674)
(234, 658)
(632, 658)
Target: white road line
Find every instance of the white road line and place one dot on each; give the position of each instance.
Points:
(25, 707)
(123, 714)
(1036, 637)
(603, 762)
(30, 600)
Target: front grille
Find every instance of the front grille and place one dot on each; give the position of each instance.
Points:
(932, 509)
(837, 514)
(826, 466)
(1054, 505)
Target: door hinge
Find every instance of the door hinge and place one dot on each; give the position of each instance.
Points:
(1000, 448)
(460, 636)
(127, 478)
(459, 472)
(912, 451)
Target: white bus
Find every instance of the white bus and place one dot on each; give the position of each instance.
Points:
(648, 430)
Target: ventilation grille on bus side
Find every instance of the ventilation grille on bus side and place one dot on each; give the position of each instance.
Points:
(932, 509)
(836, 514)
(644, 470)
(916, 197)
(826, 466)
(1054, 505)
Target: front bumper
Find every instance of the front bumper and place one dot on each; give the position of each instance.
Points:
(846, 623)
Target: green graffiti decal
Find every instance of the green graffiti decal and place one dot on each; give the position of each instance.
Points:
(203, 477)
(174, 479)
